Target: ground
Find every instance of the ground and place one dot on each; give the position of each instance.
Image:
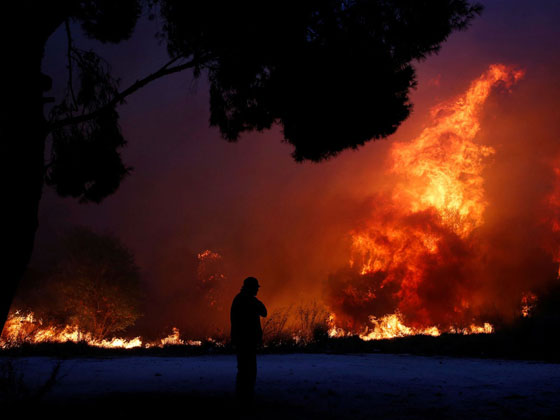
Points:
(298, 386)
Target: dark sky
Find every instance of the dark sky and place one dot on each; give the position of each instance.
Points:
(284, 222)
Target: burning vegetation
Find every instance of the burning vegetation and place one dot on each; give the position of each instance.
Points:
(25, 328)
(425, 261)
(91, 292)
(431, 256)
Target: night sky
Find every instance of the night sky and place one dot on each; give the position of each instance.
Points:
(283, 222)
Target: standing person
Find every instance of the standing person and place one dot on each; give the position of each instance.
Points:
(246, 337)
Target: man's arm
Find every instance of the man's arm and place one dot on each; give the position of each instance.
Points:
(261, 309)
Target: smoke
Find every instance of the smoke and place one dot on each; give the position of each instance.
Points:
(469, 225)
(292, 226)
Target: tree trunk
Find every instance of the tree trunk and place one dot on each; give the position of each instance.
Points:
(22, 138)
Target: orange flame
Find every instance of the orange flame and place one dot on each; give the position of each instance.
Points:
(26, 328)
(442, 167)
(436, 205)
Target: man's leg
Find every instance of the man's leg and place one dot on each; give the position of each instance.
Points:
(246, 375)
(240, 375)
(251, 373)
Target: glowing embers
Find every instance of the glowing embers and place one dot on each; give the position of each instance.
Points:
(528, 303)
(411, 259)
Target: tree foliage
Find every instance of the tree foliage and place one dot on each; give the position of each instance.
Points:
(333, 74)
(108, 20)
(85, 157)
(98, 282)
(91, 282)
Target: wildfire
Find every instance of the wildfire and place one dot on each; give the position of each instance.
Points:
(442, 167)
(409, 252)
(174, 339)
(528, 302)
(26, 328)
(390, 326)
(424, 226)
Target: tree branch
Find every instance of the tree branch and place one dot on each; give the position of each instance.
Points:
(119, 98)
(69, 54)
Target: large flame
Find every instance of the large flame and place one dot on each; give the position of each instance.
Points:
(424, 225)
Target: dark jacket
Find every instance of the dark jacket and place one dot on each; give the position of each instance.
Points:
(246, 312)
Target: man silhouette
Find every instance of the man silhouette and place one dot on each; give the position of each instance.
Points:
(246, 336)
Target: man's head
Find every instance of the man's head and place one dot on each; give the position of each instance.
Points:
(251, 285)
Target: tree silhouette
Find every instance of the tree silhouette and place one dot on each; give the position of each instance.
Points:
(333, 74)
(97, 283)
(91, 281)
